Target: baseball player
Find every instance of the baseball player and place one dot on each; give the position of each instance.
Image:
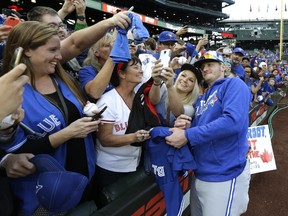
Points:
(218, 139)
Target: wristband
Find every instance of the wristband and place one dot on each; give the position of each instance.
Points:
(81, 18)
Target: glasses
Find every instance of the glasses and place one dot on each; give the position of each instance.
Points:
(56, 27)
(131, 42)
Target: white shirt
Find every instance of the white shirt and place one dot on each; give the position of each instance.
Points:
(116, 159)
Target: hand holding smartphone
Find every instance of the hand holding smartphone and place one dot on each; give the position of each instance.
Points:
(165, 56)
(98, 115)
(11, 21)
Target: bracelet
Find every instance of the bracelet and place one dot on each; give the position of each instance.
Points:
(157, 84)
(81, 18)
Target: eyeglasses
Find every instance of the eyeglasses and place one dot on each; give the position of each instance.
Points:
(56, 27)
(131, 42)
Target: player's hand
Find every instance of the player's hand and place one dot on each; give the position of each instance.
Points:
(177, 139)
(183, 122)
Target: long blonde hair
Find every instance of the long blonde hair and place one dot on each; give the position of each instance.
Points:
(192, 96)
(31, 35)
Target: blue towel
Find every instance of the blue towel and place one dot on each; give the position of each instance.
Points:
(139, 32)
(120, 51)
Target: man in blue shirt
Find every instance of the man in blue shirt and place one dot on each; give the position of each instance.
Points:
(166, 40)
(217, 138)
(236, 60)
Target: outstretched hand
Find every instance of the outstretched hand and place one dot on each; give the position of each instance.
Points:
(121, 19)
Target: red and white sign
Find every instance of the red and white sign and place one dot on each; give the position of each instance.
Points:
(261, 153)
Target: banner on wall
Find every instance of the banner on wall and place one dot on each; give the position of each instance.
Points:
(261, 153)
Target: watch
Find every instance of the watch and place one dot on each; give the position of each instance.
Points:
(81, 18)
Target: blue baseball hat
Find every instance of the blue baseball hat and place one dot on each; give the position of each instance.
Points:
(239, 50)
(57, 190)
(209, 56)
(266, 74)
(167, 36)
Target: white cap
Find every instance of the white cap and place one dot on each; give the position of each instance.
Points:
(261, 64)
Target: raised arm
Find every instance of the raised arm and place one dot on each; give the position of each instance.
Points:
(85, 38)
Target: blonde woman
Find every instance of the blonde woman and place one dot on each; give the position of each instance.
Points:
(178, 98)
(98, 67)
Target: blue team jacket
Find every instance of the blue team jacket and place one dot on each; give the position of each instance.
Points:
(218, 131)
(44, 118)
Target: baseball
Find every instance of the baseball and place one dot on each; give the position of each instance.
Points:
(260, 98)
(90, 109)
(182, 60)
(6, 122)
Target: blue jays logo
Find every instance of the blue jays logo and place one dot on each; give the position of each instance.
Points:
(205, 104)
(38, 187)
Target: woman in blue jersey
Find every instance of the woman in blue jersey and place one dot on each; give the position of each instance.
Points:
(98, 67)
(53, 105)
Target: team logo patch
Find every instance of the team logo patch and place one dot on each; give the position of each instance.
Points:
(204, 104)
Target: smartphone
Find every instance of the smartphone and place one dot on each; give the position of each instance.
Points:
(9, 12)
(15, 60)
(206, 36)
(165, 56)
(11, 21)
(18, 52)
(98, 115)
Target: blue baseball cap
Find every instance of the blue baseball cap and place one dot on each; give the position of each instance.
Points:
(239, 50)
(266, 74)
(167, 36)
(57, 190)
(209, 56)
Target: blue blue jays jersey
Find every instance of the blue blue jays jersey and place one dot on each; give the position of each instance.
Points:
(44, 118)
(166, 162)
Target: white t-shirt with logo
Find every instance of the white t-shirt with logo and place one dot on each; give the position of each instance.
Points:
(116, 159)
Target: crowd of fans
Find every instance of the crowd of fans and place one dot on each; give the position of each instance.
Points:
(66, 68)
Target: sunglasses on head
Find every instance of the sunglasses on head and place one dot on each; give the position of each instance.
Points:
(134, 42)
(131, 42)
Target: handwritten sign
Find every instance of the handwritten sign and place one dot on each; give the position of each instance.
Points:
(261, 153)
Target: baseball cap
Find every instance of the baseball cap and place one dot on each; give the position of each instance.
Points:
(195, 70)
(246, 57)
(261, 64)
(167, 36)
(266, 74)
(239, 50)
(57, 190)
(209, 56)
